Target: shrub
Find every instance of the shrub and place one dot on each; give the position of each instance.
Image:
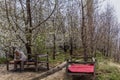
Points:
(2, 60)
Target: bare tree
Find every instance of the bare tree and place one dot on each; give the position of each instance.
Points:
(83, 31)
(23, 20)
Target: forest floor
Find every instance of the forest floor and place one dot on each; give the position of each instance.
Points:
(106, 70)
(28, 75)
(12, 75)
(114, 64)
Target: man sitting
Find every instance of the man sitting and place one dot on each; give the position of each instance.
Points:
(19, 58)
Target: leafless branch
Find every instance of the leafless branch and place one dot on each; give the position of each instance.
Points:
(47, 17)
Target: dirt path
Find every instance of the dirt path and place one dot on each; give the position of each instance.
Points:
(10, 75)
(60, 75)
(28, 75)
(114, 64)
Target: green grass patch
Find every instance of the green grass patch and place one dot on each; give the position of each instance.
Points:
(2, 60)
(105, 70)
(109, 73)
(61, 57)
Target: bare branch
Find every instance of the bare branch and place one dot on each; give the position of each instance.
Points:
(23, 11)
(47, 17)
(11, 23)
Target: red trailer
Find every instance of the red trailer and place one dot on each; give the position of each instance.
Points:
(81, 68)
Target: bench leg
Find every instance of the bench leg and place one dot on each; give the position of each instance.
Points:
(47, 62)
(94, 76)
(22, 65)
(15, 65)
(47, 66)
(7, 66)
(36, 67)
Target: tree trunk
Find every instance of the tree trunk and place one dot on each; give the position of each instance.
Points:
(83, 32)
(71, 46)
(29, 51)
(51, 71)
(54, 46)
(28, 29)
(90, 25)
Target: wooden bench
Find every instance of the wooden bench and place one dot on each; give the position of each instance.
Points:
(81, 68)
(38, 59)
(35, 61)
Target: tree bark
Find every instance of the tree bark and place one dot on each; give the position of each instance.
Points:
(54, 46)
(83, 32)
(51, 71)
(71, 46)
(90, 26)
(28, 29)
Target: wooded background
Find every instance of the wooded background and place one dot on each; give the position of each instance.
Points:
(69, 26)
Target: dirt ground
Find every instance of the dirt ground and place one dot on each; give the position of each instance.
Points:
(28, 75)
(31, 75)
(12, 75)
(60, 75)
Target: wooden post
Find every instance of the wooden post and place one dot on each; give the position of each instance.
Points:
(7, 62)
(71, 46)
(47, 61)
(36, 62)
(54, 41)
